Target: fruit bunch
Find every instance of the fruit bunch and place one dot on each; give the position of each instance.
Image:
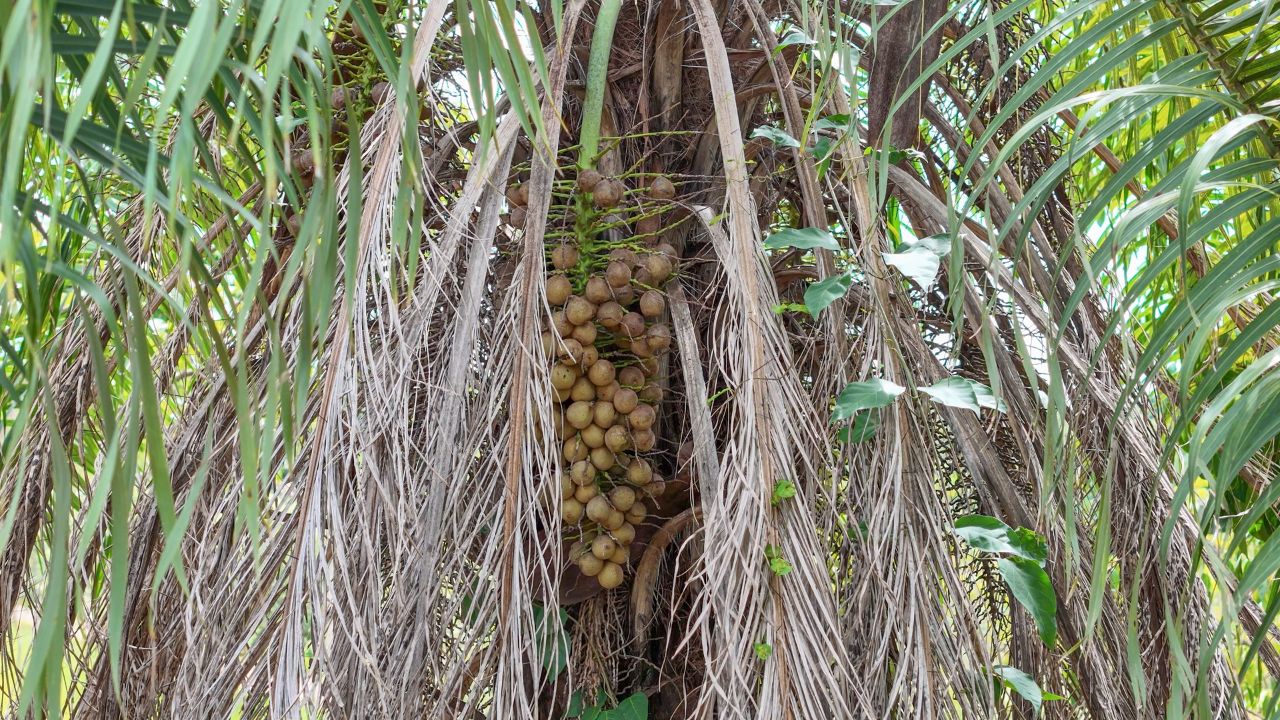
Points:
(605, 340)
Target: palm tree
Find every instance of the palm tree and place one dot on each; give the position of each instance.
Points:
(946, 330)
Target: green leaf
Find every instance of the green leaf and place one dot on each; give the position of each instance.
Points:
(862, 429)
(832, 122)
(1021, 683)
(794, 36)
(635, 707)
(764, 650)
(803, 238)
(1030, 586)
(551, 640)
(961, 392)
(782, 490)
(921, 259)
(865, 395)
(777, 136)
(777, 563)
(824, 292)
(989, 534)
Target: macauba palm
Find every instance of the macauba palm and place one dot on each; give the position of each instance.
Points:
(909, 359)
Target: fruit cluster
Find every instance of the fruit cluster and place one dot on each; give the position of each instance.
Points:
(606, 338)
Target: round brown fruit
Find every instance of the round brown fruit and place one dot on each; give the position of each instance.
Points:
(603, 546)
(606, 194)
(662, 189)
(647, 365)
(559, 395)
(618, 274)
(564, 257)
(621, 555)
(651, 304)
(659, 268)
(579, 310)
(586, 334)
(597, 291)
(593, 436)
(615, 520)
(588, 179)
(639, 473)
(517, 217)
(637, 513)
(561, 324)
(585, 493)
(642, 276)
(666, 250)
(579, 414)
(607, 392)
(617, 439)
(582, 473)
(571, 512)
(602, 373)
(624, 295)
(625, 400)
(648, 225)
(644, 440)
(633, 325)
(575, 450)
(641, 418)
(658, 336)
(589, 356)
(567, 487)
(563, 376)
(625, 535)
(558, 289)
(598, 509)
(603, 459)
(655, 488)
(640, 348)
(590, 565)
(622, 497)
(610, 576)
(630, 376)
(651, 394)
(626, 256)
(569, 349)
(610, 315)
(603, 414)
(582, 390)
(517, 195)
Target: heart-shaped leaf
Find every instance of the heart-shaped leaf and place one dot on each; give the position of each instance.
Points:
(862, 429)
(989, 534)
(1030, 586)
(824, 292)
(920, 259)
(1021, 683)
(865, 395)
(803, 238)
(961, 392)
(777, 136)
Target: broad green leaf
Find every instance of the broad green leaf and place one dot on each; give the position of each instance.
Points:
(634, 707)
(989, 534)
(803, 238)
(1030, 586)
(862, 429)
(775, 135)
(865, 395)
(832, 122)
(777, 563)
(820, 295)
(920, 259)
(782, 490)
(954, 392)
(1021, 683)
